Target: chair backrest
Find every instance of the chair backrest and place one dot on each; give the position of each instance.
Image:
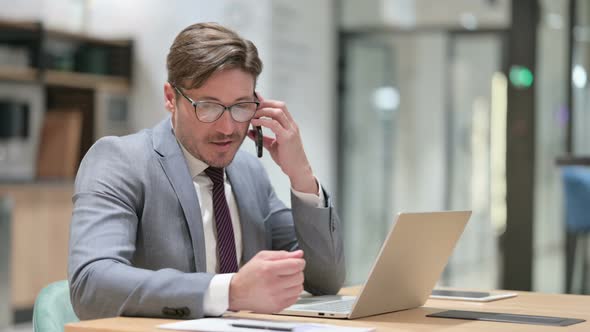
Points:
(576, 180)
(53, 308)
(5, 264)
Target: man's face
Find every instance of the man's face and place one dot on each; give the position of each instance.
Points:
(215, 143)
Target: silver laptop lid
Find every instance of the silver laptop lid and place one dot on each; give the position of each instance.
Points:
(410, 262)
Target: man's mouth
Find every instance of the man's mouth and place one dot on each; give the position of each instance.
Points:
(222, 146)
(222, 143)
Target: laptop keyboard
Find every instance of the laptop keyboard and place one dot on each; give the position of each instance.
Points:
(336, 306)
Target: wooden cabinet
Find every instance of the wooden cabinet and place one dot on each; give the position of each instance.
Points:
(40, 231)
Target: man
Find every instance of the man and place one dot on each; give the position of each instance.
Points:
(175, 222)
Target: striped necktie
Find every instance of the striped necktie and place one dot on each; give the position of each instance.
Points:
(226, 244)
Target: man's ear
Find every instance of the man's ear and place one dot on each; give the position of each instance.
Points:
(169, 98)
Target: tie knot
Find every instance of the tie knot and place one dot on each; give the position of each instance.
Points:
(215, 174)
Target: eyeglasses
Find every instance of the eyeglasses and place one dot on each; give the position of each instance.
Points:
(209, 111)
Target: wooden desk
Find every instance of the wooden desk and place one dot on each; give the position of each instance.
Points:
(572, 306)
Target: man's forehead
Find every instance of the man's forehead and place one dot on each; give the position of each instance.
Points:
(219, 76)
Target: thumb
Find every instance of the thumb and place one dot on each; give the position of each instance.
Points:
(267, 142)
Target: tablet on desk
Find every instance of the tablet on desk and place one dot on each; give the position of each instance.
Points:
(460, 295)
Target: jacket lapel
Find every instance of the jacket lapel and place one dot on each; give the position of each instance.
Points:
(176, 169)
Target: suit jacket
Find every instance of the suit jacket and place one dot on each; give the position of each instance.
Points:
(136, 236)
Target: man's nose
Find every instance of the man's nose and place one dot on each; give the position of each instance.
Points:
(225, 124)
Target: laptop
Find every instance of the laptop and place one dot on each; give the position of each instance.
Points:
(408, 266)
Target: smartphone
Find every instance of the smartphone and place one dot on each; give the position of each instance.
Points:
(258, 130)
(461, 295)
(258, 140)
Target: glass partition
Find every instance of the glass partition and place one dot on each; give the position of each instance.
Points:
(416, 135)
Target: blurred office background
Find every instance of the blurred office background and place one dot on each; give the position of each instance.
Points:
(403, 105)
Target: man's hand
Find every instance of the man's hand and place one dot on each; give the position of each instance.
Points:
(286, 149)
(268, 283)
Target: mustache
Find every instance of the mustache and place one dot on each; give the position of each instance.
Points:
(216, 138)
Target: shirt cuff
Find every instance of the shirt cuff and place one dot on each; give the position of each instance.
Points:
(315, 200)
(216, 299)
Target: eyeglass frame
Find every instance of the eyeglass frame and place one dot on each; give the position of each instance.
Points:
(225, 108)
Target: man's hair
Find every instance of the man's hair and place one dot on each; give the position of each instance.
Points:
(205, 48)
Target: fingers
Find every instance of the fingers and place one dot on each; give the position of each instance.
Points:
(272, 124)
(269, 282)
(294, 290)
(276, 114)
(259, 96)
(294, 280)
(283, 263)
(279, 254)
(274, 104)
(277, 108)
(266, 141)
(289, 266)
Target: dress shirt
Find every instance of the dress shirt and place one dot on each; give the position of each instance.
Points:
(216, 299)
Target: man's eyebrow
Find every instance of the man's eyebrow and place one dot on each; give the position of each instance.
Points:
(244, 98)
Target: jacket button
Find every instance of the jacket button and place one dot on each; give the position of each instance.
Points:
(182, 312)
(169, 311)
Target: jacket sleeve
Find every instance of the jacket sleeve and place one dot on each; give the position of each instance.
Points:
(318, 233)
(108, 201)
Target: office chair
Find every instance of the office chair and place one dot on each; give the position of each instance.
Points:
(53, 308)
(576, 181)
(5, 261)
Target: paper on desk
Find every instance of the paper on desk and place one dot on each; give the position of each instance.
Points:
(225, 325)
